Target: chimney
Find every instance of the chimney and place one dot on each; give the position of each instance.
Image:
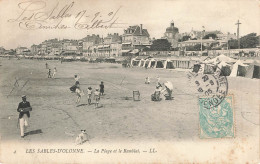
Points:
(141, 29)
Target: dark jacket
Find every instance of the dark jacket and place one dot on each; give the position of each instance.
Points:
(23, 105)
(102, 87)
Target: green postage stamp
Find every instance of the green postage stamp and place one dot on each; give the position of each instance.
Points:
(218, 121)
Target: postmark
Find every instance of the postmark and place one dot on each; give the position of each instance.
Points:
(216, 122)
(213, 86)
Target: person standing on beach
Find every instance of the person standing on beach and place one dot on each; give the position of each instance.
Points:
(23, 108)
(89, 95)
(46, 65)
(76, 77)
(158, 79)
(54, 72)
(102, 88)
(147, 80)
(97, 97)
(79, 93)
(49, 73)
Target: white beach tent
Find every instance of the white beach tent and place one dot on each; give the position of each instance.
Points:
(152, 63)
(222, 64)
(146, 62)
(141, 62)
(168, 64)
(238, 68)
(135, 62)
(221, 58)
(132, 60)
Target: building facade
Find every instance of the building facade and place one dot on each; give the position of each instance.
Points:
(135, 38)
(172, 35)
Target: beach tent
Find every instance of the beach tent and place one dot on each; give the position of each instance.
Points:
(159, 64)
(238, 69)
(141, 63)
(131, 62)
(225, 68)
(168, 64)
(135, 62)
(221, 58)
(146, 63)
(152, 63)
(253, 70)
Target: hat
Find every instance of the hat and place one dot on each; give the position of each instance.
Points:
(96, 89)
(23, 96)
(89, 88)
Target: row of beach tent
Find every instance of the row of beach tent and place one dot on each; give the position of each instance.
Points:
(161, 63)
(228, 66)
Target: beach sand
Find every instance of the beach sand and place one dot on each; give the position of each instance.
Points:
(170, 126)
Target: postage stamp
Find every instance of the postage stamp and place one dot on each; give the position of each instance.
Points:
(218, 121)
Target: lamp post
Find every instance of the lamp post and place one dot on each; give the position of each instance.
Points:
(203, 29)
(238, 39)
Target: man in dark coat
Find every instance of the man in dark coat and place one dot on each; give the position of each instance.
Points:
(23, 108)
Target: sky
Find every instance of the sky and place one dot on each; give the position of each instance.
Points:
(24, 22)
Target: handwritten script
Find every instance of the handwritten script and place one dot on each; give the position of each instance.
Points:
(35, 15)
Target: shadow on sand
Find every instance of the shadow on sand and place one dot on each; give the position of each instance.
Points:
(38, 131)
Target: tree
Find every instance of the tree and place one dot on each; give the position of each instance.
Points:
(161, 45)
(233, 44)
(249, 41)
(213, 36)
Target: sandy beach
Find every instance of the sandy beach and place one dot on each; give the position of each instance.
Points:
(119, 119)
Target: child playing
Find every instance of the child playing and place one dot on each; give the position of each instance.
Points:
(147, 80)
(54, 72)
(97, 97)
(76, 77)
(89, 95)
(102, 87)
(79, 93)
